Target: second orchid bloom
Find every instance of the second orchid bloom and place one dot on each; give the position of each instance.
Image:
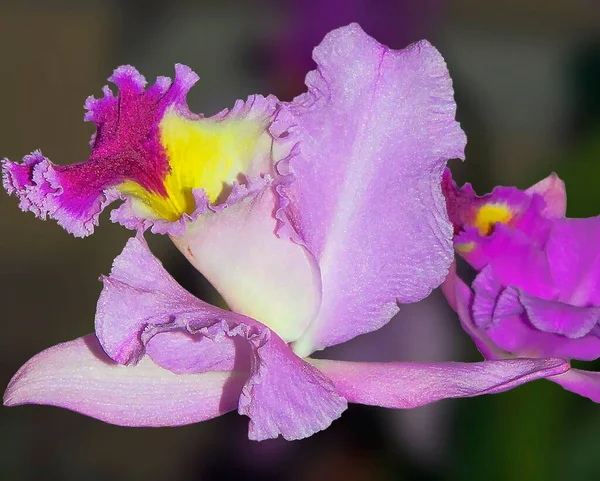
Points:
(536, 291)
(314, 219)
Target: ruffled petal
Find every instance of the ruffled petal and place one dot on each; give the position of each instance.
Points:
(584, 383)
(557, 317)
(79, 376)
(152, 152)
(142, 310)
(409, 385)
(502, 313)
(486, 226)
(376, 127)
(125, 146)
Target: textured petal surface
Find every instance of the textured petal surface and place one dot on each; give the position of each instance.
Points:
(408, 385)
(125, 146)
(376, 127)
(142, 310)
(79, 376)
(584, 383)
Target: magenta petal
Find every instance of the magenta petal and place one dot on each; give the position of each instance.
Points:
(77, 375)
(125, 147)
(559, 318)
(584, 383)
(460, 298)
(409, 385)
(376, 127)
(574, 259)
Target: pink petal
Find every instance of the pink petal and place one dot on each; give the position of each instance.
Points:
(376, 128)
(584, 383)
(409, 385)
(142, 310)
(77, 375)
(553, 190)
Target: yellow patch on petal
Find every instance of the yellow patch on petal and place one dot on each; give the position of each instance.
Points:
(490, 214)
(465, 247)
(205, 154)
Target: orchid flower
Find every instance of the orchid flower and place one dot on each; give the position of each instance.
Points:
(313, 219)
(536, 292)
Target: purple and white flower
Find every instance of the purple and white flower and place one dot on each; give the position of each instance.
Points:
(314, 219)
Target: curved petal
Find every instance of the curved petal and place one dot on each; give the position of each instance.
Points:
(557, 317)
(487, 226)
(79, 376)
(259, 274)
(575, 260)
(139, 292)
(409, 385)
(460, 298)
(142, 310)
(553, 190)
(501, 312)
(376, 127)
(584, 383)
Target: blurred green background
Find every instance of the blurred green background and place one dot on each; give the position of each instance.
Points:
(527, 80)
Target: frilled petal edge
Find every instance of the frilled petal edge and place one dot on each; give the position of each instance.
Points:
(142, 311)
(149, 150)
(79, 376)
(377, 128)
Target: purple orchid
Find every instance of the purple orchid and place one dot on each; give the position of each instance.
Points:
(313, 219)
(536, 293)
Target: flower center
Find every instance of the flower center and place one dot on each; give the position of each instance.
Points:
(202, 154)
(490, 214)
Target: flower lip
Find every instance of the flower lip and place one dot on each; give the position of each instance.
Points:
(151, 151)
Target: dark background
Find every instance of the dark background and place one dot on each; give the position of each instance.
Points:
(527, 79)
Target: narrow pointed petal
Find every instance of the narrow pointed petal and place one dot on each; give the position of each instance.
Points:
(377, 127)
(584, 383)
(79, 376)
(409, 385)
